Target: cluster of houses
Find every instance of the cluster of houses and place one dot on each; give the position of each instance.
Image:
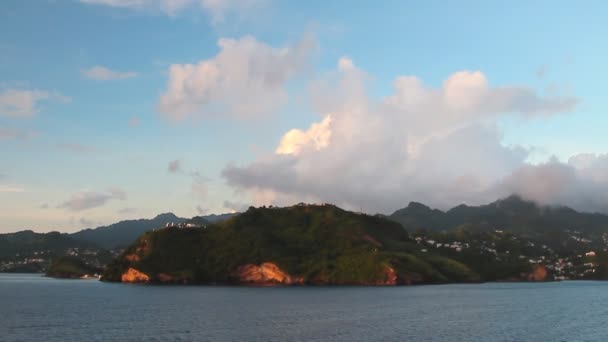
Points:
(581, 266)
(455, 245)
(82, 252)
(11, 264)
(183, 225)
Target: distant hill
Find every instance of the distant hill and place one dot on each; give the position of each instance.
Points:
(28, 242)
(121, 234)
(511, 213)
(27, 251)
(561, 228)
(213, 218)
(302, 244)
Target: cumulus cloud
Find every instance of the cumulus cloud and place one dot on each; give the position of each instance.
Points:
(175, 166)
(246, 79)
(100, 73)
(25, 103)
(439, 145)
(90, 199)
(217, 9)
(317, 136)
(581, 182)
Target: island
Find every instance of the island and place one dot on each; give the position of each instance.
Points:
(304, 244)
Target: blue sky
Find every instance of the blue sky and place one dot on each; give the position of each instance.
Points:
(96, 149)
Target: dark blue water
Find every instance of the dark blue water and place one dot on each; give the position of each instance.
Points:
(33, 308)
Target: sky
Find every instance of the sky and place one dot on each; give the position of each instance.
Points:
(122, 109)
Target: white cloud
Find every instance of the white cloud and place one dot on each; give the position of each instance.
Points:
(246, 79)
(90, 199)
(100, 73)
(580, 183)
(317, 137)
(441, 146)
(24, 103)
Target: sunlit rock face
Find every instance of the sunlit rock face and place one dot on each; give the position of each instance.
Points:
(266, 273)
(390, 277)
(132, 257)
(134, 276)
(539, 274)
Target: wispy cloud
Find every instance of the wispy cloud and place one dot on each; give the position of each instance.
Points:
(77, 148)
(127, 210)
(199, 185)
(542, 71)
(25, 103)
(236, 206)
(100, 73)
(15, 134)
(201, 211)
(134, 122)
(11, 188)
(175, 166)
(217, 9)
(90, 199)
(86, 222)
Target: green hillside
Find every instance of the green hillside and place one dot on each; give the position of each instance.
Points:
(312, 244)
(71, 267)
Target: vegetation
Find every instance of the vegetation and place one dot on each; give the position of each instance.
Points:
(71, 267)
(322, 244)
(27, 243)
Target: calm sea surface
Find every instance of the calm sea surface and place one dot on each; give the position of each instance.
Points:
(33, 308)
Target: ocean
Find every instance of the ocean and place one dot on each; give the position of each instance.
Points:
(35, 308)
